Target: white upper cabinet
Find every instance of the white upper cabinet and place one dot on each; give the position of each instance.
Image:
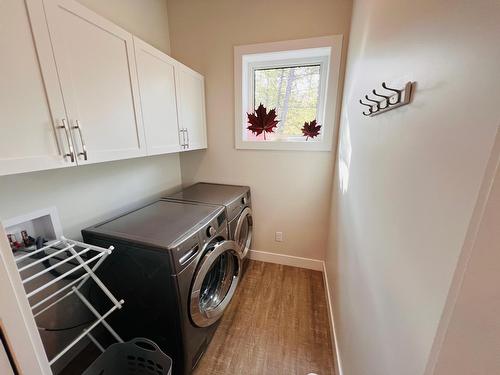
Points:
(31, 110)
(77, 89)
(156, 73)
(191, 107)
(96, 66)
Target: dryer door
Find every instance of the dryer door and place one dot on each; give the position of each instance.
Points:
(243, 232)
(214, 282)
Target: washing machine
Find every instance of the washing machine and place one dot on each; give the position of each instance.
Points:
(237, 203)
(175, 266)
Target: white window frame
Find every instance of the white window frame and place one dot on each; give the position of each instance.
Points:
(323, 51)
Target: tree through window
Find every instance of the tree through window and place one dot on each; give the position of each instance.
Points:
(293, 91)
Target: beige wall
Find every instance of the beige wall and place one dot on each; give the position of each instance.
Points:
(84, 195)
(291, 190)
(406, 181)
(146, 19)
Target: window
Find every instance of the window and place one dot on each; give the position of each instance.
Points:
(298, 84)
(293, 91)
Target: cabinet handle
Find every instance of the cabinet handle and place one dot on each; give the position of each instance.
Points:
(183, 145)
(78, 126)
(68, 139)
(187, 133)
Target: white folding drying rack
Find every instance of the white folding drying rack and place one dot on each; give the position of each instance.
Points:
(61, 247)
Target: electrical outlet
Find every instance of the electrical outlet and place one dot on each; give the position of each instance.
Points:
(278, 236)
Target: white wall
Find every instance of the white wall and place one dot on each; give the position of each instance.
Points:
(470, 326)
(291, 190)
(87, 194)
(406, 181)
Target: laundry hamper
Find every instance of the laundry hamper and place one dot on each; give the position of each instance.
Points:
(139, 356)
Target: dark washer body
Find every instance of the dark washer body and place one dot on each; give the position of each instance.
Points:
(177, 270)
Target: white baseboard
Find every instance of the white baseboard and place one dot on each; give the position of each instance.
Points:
(287, 260)
(333, 334)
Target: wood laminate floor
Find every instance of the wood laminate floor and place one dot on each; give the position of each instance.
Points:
(276, 324)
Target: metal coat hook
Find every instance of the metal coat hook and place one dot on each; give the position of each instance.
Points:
(398, 92)
(375, 105)
(399, 98)
(371, 100)
(370, 106)
(385, 97)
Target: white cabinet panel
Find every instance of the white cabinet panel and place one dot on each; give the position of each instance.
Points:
(31, 110)
(97, 72)
(191, 106)
(156, 74)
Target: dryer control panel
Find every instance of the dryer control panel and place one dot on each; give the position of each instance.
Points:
(215, 227)
(235, 208)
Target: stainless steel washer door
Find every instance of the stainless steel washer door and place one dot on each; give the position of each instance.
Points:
(214, 283)
(244, 231)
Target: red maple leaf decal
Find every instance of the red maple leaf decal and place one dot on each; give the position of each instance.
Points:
(310, 129)
(262, 121)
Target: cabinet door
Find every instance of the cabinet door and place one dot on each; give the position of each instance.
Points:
(31, 105)
(96, 66)
(156, 76)
(191, 107)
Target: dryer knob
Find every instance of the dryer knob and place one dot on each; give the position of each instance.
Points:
(244, 200)
(211, 231)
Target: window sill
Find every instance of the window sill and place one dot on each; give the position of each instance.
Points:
(284, 146)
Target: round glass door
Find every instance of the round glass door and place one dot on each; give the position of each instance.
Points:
(214, 283)
(243, 232)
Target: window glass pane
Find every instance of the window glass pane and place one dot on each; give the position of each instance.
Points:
(294, 92)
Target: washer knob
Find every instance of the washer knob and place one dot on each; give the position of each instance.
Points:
(244, 200)
(211, 231)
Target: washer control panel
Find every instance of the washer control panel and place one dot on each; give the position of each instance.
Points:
(211, 231)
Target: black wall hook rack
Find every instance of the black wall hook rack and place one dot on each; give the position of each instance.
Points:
(396, 98)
